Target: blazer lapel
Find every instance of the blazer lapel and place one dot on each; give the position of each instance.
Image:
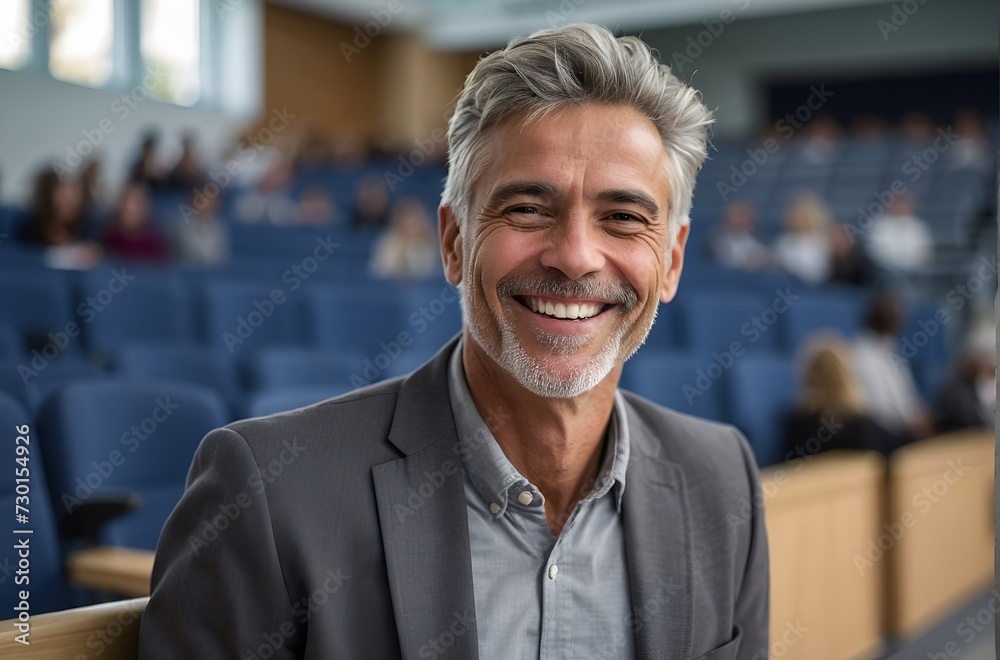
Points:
(424, 523)
(658, 546)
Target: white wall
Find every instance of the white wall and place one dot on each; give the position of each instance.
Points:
(827, 43)
(44, 121)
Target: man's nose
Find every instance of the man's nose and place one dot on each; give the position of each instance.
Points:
(574, 247)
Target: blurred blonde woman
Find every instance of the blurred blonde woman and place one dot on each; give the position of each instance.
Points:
(831, 413)
(804, 248)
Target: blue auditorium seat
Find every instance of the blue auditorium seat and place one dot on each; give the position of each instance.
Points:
(267, 403)
(680, 381)
(666, 333)
(241, 316)
(37, 304)
(762, 390)
(713, 320)
(365, 320)
(152, 307)
(11, 343)
(823, 310)
(31, 381)
(48, 588)
(277, 368)
(117, 436)
(433, 314)
(190, 364)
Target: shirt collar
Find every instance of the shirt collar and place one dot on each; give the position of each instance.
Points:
(492, 474)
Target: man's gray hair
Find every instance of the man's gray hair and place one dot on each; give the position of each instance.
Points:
(574, 64)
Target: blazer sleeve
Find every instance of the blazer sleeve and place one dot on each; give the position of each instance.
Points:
(218, 591)
(752, 611)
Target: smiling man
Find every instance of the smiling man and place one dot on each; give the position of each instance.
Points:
(506, 500)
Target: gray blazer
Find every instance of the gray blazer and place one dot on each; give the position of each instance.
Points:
(340, 531)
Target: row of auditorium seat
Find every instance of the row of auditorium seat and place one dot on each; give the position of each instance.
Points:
(721, 388)
(234, 316)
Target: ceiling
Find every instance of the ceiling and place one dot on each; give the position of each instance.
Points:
(479, 24)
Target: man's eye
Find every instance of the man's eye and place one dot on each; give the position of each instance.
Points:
(625, 217)
(525, 209)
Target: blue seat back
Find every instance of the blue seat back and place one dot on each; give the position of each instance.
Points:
(121, 306)
(48, 587)
(676, 380)
(267, 403)
(762, 390)
(241, 316)
(123, 435)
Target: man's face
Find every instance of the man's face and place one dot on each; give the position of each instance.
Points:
(566, 252)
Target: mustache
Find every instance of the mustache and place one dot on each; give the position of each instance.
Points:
(588, 287)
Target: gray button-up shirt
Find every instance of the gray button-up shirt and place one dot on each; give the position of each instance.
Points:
(538, 596)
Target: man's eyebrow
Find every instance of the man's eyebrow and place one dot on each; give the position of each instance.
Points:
(631, 197)
(520, 188)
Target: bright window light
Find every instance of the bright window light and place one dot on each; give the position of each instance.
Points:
(15, 36)
(80, 41)
(169, 43)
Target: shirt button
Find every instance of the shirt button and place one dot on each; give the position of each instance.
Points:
(494, 508)
(525, 498)
(553, 571)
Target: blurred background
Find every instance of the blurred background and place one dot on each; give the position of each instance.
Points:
(233, 203)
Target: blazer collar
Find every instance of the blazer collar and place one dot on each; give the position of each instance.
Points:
(423, 518)
(658, 547)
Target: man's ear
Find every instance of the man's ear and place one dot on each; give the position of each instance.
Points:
(673, 275)
(451, 244)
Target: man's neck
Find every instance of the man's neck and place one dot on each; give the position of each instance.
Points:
(556, 444)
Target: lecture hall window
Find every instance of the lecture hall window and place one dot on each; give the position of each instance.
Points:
(80, 41)
(16, 44)
(169, 43)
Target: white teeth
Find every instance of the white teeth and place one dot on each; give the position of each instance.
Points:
(564, 310)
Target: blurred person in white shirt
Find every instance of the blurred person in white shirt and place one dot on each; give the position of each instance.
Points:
(885, 377)
(733, 244)
(804, 248)
(899, 241)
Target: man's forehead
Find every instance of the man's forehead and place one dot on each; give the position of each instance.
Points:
(622, 144)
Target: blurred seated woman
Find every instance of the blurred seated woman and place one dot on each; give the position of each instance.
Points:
(830, 413)
(409, 247)
(130, 233)
(58, 221)
(803, 250)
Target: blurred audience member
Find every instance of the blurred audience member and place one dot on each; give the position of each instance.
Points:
(972, 150)
(885, 377)
(804, 248)
(57, 215)
(734, 244)
(96, 199)
(146, 168)
(409, 247)
(187, 173)
(867, 128)
(371, 207)
(899, 242)
(315, 207)
(821, 141)
(916, 127)
(130, 233)
(269, 202)
(831, 399)
(849, 265)
(968, 399)
(314, 150)
(201, 238)
(58, 221)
